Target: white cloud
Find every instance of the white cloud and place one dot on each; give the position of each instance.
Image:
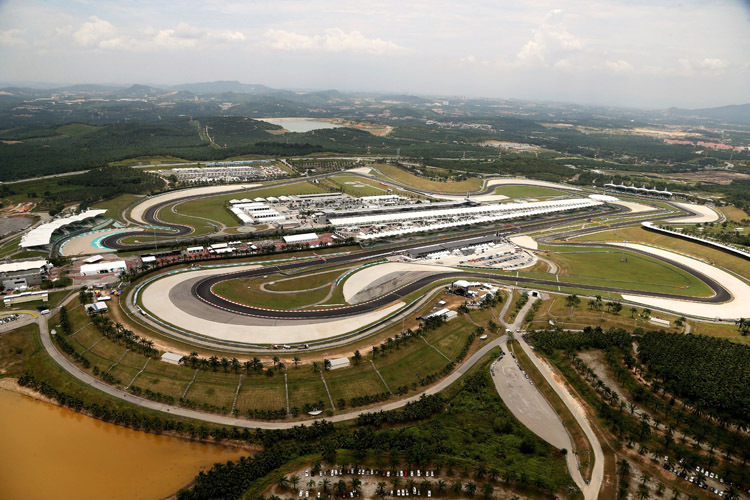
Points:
(550, 41)
(332, 40)
(93, 31)
(12, 38)
(619, 66)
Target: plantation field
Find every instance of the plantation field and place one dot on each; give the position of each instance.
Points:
(403, 177)
(305, 387)
(528, 192)
(262, 393)
(360, 384)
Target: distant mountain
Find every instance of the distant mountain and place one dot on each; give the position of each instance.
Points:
(222, 87)
(88, 88)
(734, 113)
(138, 90)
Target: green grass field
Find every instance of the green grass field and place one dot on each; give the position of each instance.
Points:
(528, 192)
(262, 393)
(394, 173)
(305, 282)
(117, 205)
(638, 234)
(614, 267)
(248, 292)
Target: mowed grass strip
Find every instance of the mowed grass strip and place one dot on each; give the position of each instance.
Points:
(403, 177)
(262, 393)
(159, 383)
(305, 386)
(123, 373)
(454, 341)
(411, 368)
(357, 384)
(217, 395)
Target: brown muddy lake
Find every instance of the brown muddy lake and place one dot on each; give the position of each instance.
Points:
(50, 452)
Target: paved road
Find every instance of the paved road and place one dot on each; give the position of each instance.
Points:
(590, 490)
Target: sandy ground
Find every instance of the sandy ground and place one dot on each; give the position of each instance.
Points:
(365, 278)
(82, 245)
(736, 308)
(527, 404)
(137, 212)
(360, 170)
(706, 214)
(525, 242)
(530, 182)
(635, 208)
(185, 312)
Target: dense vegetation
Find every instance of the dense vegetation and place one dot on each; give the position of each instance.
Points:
(98, 184)
(596, 337)
(710, 373)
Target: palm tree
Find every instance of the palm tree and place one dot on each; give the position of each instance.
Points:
(470, 488)
(296, 360)
(315, 367)
(311, 484)
(643, 493)
(340, 487)
(441, 485)
(283, 482)
(325, 483)
(676, 493)
(487, 491)
(457, 487)
(645, 478)
(327, 364)
(356, 483)
(380, 489)
(294, 480)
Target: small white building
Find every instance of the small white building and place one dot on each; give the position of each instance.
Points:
(116, 266)
(171, 358)
(300, 238)
(19, 298)
(339, 363)
(96, 307)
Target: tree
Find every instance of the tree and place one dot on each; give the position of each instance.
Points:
(643, 493)
(356, 483)
(441, 485)
(357, 358)
(325, 483)
(283, 482)
(380, 489)
(295, 481)
(327, 364)
(487, 491)
(296, 360)
(457, 487)
(572, 300)
(660, 488)
(339, 487)
(470, 488)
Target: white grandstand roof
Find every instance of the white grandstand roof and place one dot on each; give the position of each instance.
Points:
(456, 212)
(42, 235)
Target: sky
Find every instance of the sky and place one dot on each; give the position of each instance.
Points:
(628, 53)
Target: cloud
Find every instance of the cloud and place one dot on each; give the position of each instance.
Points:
(332, 40)
(12, 38)
(93, 31)
(550, 41)
(619, 66)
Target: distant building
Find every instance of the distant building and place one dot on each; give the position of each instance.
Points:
(21, 274)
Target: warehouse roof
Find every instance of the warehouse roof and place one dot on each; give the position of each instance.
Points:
(42, 235)
(300, 238)
(22, 265)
